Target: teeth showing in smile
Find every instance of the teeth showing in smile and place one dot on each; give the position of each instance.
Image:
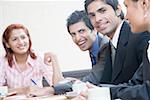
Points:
(21, 47)
(81, 43)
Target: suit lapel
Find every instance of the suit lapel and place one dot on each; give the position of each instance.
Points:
(121, 50)
(107, 73)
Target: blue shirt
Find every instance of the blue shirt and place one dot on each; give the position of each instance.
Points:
(95, 49)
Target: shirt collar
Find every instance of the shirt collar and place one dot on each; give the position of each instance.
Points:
(29, 61)
(148, 51)
(115, 38)
(95, 46)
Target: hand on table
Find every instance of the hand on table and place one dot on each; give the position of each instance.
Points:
(83, 95)
(36, 91)
(20, 90)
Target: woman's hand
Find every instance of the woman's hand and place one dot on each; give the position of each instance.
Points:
(50, 59)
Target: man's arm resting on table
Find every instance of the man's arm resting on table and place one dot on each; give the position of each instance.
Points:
(62, 88)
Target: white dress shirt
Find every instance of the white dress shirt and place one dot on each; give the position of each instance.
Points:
(115, 38)
(148, 51)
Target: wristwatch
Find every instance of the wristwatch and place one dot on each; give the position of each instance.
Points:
(63, 87)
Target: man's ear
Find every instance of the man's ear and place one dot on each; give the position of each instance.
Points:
(145, 4)
(118, 11)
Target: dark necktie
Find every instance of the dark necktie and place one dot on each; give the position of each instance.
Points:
(93, 59)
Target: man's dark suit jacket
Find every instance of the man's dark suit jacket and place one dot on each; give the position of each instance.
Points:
(128, 56)
(138, 88)
(97, 70)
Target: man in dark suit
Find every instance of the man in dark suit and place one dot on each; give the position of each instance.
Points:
(84, 36)
(138, 88)
(128, 57)
(106, 16)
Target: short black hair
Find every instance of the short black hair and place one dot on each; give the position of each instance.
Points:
(78, 16)
(112, 3)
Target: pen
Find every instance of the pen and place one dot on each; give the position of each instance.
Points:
(33, 82)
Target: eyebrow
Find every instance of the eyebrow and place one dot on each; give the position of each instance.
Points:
(81, 30)
(99, 9)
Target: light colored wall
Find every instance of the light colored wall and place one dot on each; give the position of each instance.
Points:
(46, 21)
